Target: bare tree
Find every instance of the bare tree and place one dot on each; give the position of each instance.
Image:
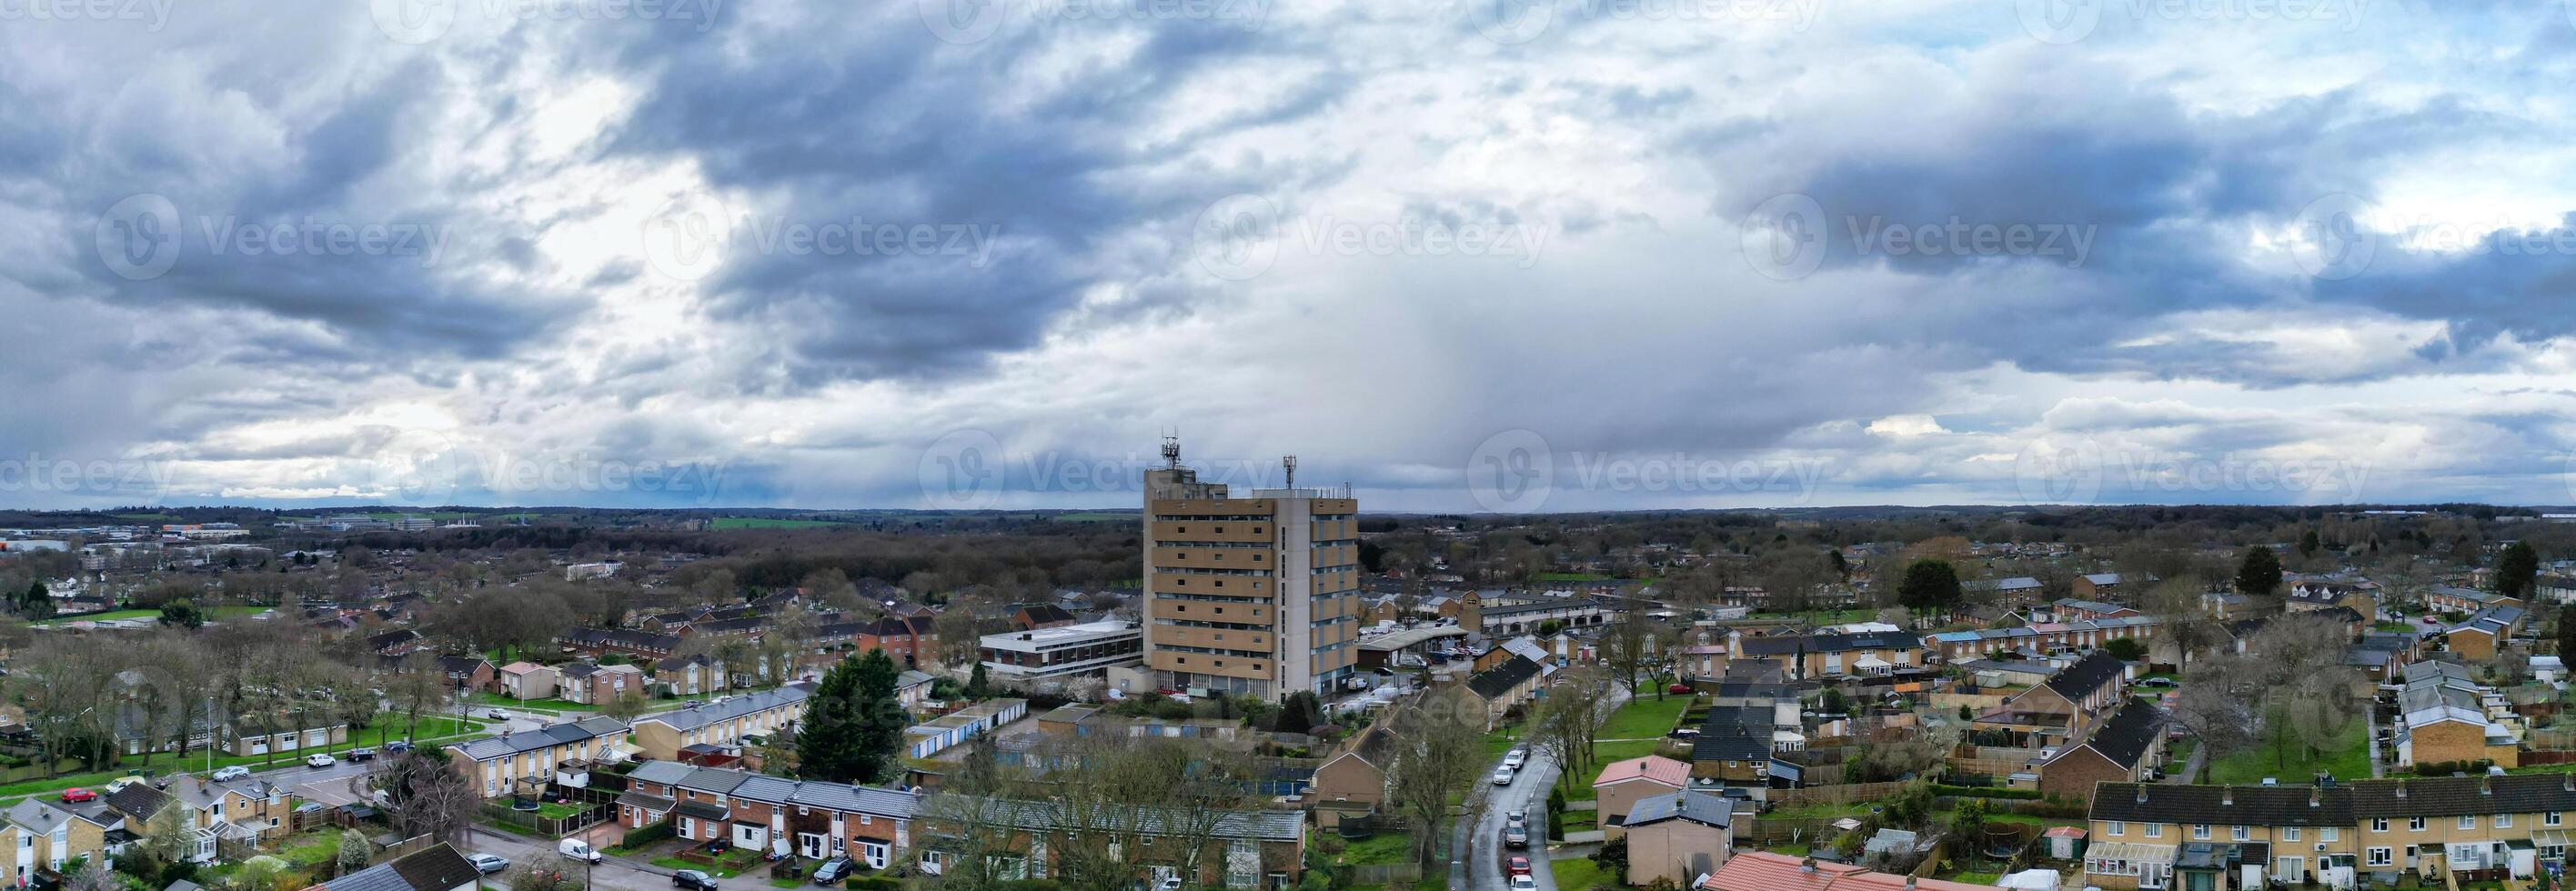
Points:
(1439, 751)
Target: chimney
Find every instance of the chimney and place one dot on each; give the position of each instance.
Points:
(2486, 786)
(2401, 787)
(2227, 796)
(2142, 792)
(2567, 782)
(2316, 796)
(1807, 865)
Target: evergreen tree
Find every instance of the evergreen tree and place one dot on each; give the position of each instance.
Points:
(2516, 570)
(2260, 574)
(977, 685)
(1930, 586)
(2309, 543)
(854, 724)
(881, 719)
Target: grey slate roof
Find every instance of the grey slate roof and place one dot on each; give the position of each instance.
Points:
(437, 868)
(1697, 806)
(2453, 796)
(777, 790)
(2085, 676)
(732, 707)
(492, 747)
(2225, 806)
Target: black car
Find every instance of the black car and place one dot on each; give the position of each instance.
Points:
(832, 871)
(362, 754)
(399, 745)
(693, 879)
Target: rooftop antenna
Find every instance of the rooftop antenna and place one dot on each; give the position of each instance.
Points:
(1172, 450)
(1291, 463)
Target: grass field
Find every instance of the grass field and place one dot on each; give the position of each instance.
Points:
(1644, 717)
(434, 729)
(2347, 759)
(1382, 848)
(486, 698)
(215, 612)
(770, 523)
(1581, 874)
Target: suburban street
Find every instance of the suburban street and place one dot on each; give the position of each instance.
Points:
(1527, 794)
(610, 873)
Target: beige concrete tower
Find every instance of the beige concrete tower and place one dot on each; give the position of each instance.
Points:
(1256, 595)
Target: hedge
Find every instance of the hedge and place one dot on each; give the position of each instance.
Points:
(1985, 792)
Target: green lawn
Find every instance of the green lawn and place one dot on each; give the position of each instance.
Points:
(1645, 718)
(488, 698)
(1621, 751)
(214, 612)
(1581, 874)
(769, 523)
(2347, 759)
(1379, 849)
(434, 729)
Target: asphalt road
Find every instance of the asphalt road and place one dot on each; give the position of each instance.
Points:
(610, 873)
(1527, 794)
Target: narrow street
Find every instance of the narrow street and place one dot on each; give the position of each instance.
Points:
(614, 872)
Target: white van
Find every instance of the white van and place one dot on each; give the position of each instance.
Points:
(578, 850)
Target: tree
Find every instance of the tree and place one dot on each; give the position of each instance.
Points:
(2309, 544)
(625, 706)
(183, 614)
(2516, 570)
(1438, 752)
(853, 724)
(547, 872)
(977, 685)
(2126, 649)
(2260, 574)
(1930, 587)
(86, 874)
(354, 851)
(425, 796)
(2189, 628)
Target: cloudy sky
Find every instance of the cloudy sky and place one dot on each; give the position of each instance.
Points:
(1568, 255)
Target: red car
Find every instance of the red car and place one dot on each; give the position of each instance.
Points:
(76, 794)
(1520, 866)
(1678, 688)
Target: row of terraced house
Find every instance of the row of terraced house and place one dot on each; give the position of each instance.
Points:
(2214, 838)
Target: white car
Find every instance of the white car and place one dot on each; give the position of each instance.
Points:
(1503, 776)
(1524, 883)
(318, 759)
(234, 772)
(1515, 758)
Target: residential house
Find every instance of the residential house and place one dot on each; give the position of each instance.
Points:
(811, 818)
(2464, 600)
(524, 762)
(2442, 717)
(596, 684)
(2482, 636)
(692, 675)
(2120, 750)
(2445, 831)
(2063, 708)
(44, 835)
(2078, 610)
(470, 672)
(436, 868)
(716, 732)
(1503, 686)
(1351, 783)
(1678, 835)
(1042, 615)
(1836, 654)
(2015, 593)
(910, 640)
(634, 643)
(1623, 783)
(2041, 638)
(524, 681)
(2098, 586)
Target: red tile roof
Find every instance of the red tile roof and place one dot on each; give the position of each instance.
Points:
(1671, 773)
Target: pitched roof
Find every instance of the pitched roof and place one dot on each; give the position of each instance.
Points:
(2087, 675)
(1493, 682)
(2126, 737)
(1696, 805)
(2451, 796)
(2224, 805)
(436, 868)
(137, 801)
(491, 747)
(1652, 767)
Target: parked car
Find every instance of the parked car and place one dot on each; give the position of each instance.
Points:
(1519, 866)
(234, 772)
(1502, 776)
(1516, 837)
(77, 793)
(1516, 818)
(488, 864)
(1169, 883)
(832, 871)
(318, 759)
(1515, 758)
(497, 714)
(694, 880)
(1678, 688)
(1524, 883)
(400, 745)
(362, 754)
(578, 850)
(1684, 733)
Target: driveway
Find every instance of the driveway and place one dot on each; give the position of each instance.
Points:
(614, 872)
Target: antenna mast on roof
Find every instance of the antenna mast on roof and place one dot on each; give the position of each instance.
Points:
(1172, 450)
(1291, 463)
